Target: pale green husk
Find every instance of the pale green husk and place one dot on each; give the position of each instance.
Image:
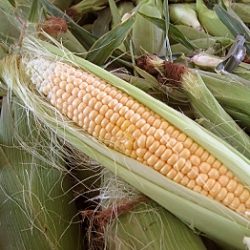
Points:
(208, 216)
(142, 224)
(35, 202)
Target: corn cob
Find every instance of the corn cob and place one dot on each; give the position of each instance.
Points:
(124, 124)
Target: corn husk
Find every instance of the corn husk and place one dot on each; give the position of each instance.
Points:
(139, 223)
(184, 14)
(210, 21)
(242, 10)
(204, 214)
(144, 28)
(36, 210)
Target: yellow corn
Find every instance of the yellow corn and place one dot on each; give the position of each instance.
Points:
(124, 124)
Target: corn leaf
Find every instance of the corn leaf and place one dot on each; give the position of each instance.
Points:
(174, 33)
(35, 208)
(105, 45)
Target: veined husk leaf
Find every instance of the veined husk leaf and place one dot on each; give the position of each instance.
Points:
(200, 212)
(142, 224)
(242, 10)
(36, 210)
(212, 115)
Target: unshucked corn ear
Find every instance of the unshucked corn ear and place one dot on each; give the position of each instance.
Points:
(136, 222)
(158, 150)
(184, 14)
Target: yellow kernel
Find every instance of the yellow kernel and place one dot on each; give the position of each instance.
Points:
(173, 159)
(229, 174)
(159, 133)
(184, 181)
(114, 117)
(141, 141)
(195, 160)
(62, 84)
(118, 107)
(135, 118)
(145, 128)
(92, 102)
(223, 180)
(223, 170)
(204, 192)
(193, 147)
(181, 137)
(154, 146)
(151, 120)
(158, 165)
(140, 123)
(104, 122)
(228, 199)
(70, 108)
(187, 167)
(69, 87)
(93, 114)
(147, 155)
(185, 153)
(197, 188)
(112, 104)
(124, 99)
(157, 123)
(152, 160)
(146, 115)
(99, 118)
(120, 121)
(204, 167)
(164, 125)
(221, 195)
(191, 184)
(70, 99)
(75, 91)
(130, 103)
(178, 177)
(239, 189)
(244, 196)
(128, 144)
(201, 179)
(199, 151)
(136, 106)
(136, 134)
(123, 110)
(247, 203)
(216, 164)
(214, 173)
(131, 128)
(171, 174)
(151, 131)
(210, 160)
(231, 186)
(165, 138)
(179, 164)
(57, 80)
(81, 94)
(170, 129)
(178, 147)
(235, 203)
(193, 173)
(104, 109)
(140, 152)
(171, 142)
(86, 98)
(209, 184)
(125, 125)
(188, 143)
(241, 209)
(215, 189)
(165, 169)
(160, 150)
(204, 156)
(175, 134)
(129, 114)
(150, 139)
(165, 156)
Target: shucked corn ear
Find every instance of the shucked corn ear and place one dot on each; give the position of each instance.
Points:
(190, 172)
(126, 125)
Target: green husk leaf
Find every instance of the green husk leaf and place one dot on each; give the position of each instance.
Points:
(115, 12)
(234, 24)
(174, 33)
(207, 108)
(35, 209)
(190, 33)
(242, 10)
(143, 224)
(105, 45)
(201, 212)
